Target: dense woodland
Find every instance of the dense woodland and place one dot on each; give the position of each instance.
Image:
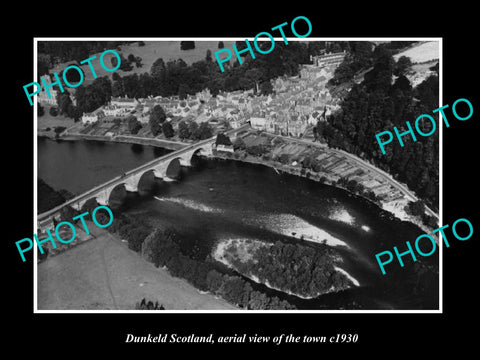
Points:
(161, 247)
(295, 268)
(48, 198)
(377, 104)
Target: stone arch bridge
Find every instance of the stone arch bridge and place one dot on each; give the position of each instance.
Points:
(131, 179)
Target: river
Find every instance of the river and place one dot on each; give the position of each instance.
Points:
(224, 199)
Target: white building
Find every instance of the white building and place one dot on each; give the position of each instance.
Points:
(329, 59)
(258, 123)
(43, 96)
(93, 117)
(112, 110)
(225, 148)
(124, 102)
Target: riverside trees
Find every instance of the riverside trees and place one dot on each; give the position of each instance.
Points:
(377, 104)
(161, 247)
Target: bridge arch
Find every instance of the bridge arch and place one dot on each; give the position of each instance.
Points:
(104, 194)
(173, 169)
(104, 197)
(205, 150)
(146, 180)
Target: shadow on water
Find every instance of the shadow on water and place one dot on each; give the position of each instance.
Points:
(137, 148)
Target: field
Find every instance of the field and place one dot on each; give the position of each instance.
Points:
(50, 122)
(419, 72)
(423, 52)
(153, 50)
(103, 274)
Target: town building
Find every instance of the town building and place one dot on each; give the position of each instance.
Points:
(258, 123)
(112, 110)
(124, 102)
(329, 59)
(93, 117)
(224, 148)
(43, 96)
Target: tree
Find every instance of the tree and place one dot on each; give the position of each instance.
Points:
(89, 205)
(151, 246)
(284, 158)
(223, 139)
(64, 102)
(91, 97)
(258, 301)
(75, 113)
(133, 124)
(167, 129)
(187, 45)
(157, 117)
(103, 217)
(118, 88)
(307, 162)
(43, 64)
(205, 131)
(47, 197)
(336, 47)
(67, 213)
(415, 208)
(402, 65)
(221, 45)
(266, 87)
(430, 221)
(239, 144)
(241, 45)
(182, 91)
(193, 130)
(316, 47)
(125, 64)
(158, 69)
(214, 281)
(40, 110)
(135, 237)
(183, 130)
(53, 111)
(232, 290)
(131, 58)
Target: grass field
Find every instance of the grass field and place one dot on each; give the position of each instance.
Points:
(103, 274)
(48, 121)
(153, 50)
(423, 52)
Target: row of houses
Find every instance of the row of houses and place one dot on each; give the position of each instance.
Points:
(297, 102)
(329, 59)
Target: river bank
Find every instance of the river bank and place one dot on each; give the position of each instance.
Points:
(217, 200)
(396, 208)
(393, 208)
(242, 255)
(166, 144)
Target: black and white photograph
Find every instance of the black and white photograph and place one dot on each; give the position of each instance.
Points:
(228, 180)
(261, 187)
